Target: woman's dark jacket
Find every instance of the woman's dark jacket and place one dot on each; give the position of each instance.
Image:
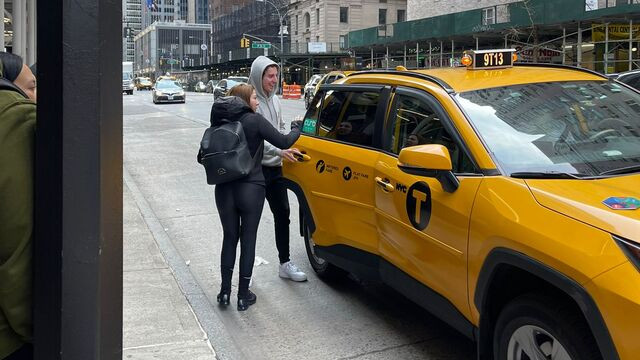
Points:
(256, 129)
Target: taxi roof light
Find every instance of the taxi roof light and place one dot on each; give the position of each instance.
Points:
(466, 60)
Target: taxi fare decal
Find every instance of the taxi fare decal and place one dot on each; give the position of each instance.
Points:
(321, 167)
(419, 205)
(622, 203)
(347, 174)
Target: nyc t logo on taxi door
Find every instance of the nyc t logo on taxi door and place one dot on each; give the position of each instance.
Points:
(419, 205)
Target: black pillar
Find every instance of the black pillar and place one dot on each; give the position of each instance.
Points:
(78, 209)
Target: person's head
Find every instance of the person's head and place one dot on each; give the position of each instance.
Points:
(270, 78)
(14, 70)
(247, 93)
(344, 128)
(412, 140)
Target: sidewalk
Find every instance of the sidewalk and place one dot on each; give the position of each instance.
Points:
(158, 322)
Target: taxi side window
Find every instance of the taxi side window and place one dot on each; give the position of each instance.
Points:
(349, 116)
(415, 122)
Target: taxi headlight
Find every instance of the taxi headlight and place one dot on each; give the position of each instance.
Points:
(130, 86)
(159, 93)
(180, 93)
(631, 249)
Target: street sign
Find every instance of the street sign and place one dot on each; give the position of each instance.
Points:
(203, 47)
(261, 45)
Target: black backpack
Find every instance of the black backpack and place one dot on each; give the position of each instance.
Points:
(224, 153)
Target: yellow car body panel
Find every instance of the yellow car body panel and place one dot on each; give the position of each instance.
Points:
(437, 255)
(506, 215)
(334, 199)
(561, 224)
(582, 200)
(618, 294)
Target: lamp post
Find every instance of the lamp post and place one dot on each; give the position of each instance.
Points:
(280, 19)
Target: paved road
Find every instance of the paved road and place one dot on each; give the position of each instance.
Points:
(346, 319)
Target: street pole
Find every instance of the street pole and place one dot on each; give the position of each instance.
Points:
(280, 18)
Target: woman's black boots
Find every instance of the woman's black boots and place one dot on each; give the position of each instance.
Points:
(224, 297)
(245, 297)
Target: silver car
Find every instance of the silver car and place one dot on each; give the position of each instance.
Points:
(168, 91)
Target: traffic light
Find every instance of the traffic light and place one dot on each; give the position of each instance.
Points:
(245, 42)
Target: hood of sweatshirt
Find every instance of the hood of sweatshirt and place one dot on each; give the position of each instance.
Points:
(255, 76)
(228, 108)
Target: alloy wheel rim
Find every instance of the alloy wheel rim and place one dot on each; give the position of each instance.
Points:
(531, 342)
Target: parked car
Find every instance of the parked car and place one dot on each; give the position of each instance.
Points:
(211, 84)
(200, 87)
(226, 84)
(631, 78)
(143, 83)
(504, 199)
(309, 89)
(168, 91)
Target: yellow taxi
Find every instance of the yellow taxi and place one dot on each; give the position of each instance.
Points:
(504, 199)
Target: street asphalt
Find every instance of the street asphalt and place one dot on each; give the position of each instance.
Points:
(172, 241)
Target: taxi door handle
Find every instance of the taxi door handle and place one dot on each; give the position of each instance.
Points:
(303, 157)
(386, 186)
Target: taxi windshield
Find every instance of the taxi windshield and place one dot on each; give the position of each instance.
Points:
(168, 85)
(582, 128)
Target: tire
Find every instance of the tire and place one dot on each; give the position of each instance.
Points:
(130, 92)
(545, 323)
(323, 268)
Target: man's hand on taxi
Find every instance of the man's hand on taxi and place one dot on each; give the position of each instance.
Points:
(290, 154)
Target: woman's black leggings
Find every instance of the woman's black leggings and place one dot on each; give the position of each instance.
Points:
(240, 208)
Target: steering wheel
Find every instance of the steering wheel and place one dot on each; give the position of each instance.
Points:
(603, 134)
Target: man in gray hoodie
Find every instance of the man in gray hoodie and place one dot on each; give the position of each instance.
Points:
(264, 78)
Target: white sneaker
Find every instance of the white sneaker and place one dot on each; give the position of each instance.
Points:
(289, 270)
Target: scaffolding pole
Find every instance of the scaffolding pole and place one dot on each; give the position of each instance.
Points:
(404, 59)
(417, 55)
(606, 48)
(452, 54)
(579, 51)
(430, 55)
(387, 59)
(440, 54)
(564, 42)
(630, 45)
(477, 44)
(371, 58)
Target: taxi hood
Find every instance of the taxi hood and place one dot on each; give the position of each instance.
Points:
(583, 200)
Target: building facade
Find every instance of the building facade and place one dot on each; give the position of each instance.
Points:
(164, 11)
(420, 9)
(131, 26)
(601, 35)
(330, 21)
(168, 47)
(232, 19)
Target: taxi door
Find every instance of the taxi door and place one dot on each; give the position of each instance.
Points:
(422, 228)
(341, 133)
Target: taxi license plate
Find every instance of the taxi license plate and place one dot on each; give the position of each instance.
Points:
(169, 97)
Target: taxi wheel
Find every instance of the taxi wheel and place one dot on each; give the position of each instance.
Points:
(322, 267)
(541, 327)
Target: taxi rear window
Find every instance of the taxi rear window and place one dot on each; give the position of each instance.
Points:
(348, 116)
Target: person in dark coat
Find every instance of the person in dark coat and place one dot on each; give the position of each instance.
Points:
(17, 136)
(240, 202)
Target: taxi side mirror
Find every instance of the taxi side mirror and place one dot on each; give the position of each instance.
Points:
(430, 160)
